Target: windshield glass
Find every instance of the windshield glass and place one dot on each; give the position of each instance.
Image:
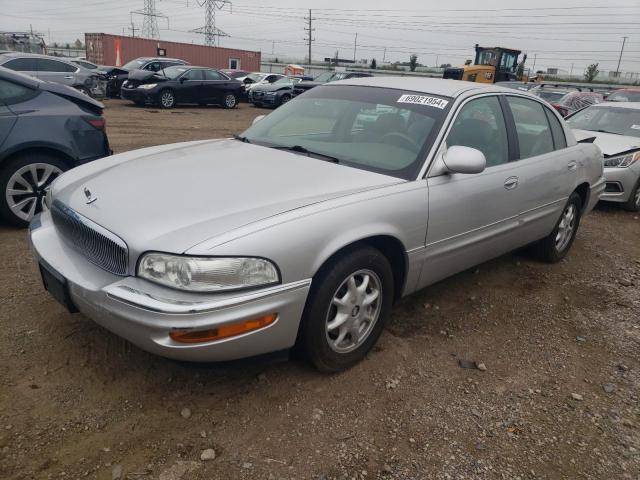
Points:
(238, 74)
(622, 121)
(255, 77)
(324, 77)
(134, 64)
(284, 80)
(624, 97)
(551, 97)
(376, 129)
(173, 72)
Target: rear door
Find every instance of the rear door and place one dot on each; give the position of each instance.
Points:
(56, 71)
(25, 65)
(215, 85)
(546, 168)
(190, 89)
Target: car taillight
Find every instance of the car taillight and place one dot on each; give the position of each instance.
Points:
(99, 123)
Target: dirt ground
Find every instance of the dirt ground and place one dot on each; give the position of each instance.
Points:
(559, 398)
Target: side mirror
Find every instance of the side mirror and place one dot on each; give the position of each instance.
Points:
(459, 159)
(257, 119)
(182, 79)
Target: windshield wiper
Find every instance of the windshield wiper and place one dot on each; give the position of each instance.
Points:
(241, 138)
(605, 131)
(309, 153)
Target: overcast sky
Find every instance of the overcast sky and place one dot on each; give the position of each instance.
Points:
(558, 34)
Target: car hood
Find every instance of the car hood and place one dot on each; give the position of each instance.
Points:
(144, 75)
(308, 85)
(271, 88)
(176, 197)
(610, 143)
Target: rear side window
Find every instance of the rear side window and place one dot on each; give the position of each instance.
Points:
(154, 66)
(193, 75)
(559, 140)
(11, 93)
(46, 65)
(532, 127)
(22, 64)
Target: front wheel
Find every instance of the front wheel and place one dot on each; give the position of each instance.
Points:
(345, 314)
(25, 182)
(555, 247)
(167, 99)
(285, 98)
(633, 204)
(84, 91)
(229, 101)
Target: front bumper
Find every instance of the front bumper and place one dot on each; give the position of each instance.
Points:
(137, 95)
(267, 100)
(620, 183)
(145, 313)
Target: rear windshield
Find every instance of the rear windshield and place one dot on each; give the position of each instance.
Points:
(377, 129)
(134, 64)
(620, 121)
(551, 97)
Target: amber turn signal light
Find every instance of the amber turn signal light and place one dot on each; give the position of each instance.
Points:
(224, 331)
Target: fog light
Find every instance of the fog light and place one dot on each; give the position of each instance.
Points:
(224, 331)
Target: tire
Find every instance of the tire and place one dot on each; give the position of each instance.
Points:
(16, 175)
(557, 244)
(84, 91)
(321, 344)
(167, 99)
(285, 98)
(229, 101)
(633, 204)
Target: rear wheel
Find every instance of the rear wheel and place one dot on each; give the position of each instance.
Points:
(347, 307)
(555, 247)
(285, 98)
(633, 204)
(167, 98)
(25, 182)
(229, 101)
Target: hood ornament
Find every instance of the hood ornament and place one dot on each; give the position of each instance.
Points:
(90, 197)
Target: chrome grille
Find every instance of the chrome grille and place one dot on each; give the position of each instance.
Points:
(97, 244)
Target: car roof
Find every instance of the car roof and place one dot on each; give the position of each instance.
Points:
(633, 105)
(148, 59)
(628, 89)
(34, 55)
(427, 85)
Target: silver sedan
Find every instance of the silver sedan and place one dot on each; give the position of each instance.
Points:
(305, 229)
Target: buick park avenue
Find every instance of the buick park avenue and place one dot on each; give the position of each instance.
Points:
(304, 229)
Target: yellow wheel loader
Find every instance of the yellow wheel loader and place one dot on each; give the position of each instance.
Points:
(491, 65)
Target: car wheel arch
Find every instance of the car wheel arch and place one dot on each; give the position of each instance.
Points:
(43, 149)
(583, 190)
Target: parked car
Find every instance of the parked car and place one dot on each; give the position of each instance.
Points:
(524, 86)
(52, 69)
(45, 129)
(573, 101)
(254, 79)
(274, 94)
(85, 64)
(615, 128)
(327, 77)
(117, 75)
(182, 85)
(304, 229)
(235, 74)
(552, 94)
(624, 95)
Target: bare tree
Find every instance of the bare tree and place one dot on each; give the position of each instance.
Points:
(591, 72)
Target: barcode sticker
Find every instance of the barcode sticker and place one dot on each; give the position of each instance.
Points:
(424, 100)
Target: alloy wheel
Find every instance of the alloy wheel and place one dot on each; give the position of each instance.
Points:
(566, 227)
(167, 99)
(27, 189)
(354, 311)
(230, 101)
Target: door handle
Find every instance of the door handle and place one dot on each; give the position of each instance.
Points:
(572, 165)
(511, 183)
(68, 77)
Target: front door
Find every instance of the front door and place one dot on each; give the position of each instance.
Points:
(56, 71)
(190, 89)
(473, 217)
(215, 85)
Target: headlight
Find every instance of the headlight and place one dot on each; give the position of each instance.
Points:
(148, 86)
(207, 274)
(270, 94)
(126, 82)
(622, 161)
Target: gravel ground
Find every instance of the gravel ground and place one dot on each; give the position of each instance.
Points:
(557, 395)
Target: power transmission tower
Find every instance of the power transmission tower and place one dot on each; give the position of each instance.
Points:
(309, 38)
(150, 20)
(211, 33)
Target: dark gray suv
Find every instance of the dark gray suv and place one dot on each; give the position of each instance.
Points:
(45, 129)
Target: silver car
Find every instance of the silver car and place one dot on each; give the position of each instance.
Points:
(307, 227)
(616, 129)
(52, 69)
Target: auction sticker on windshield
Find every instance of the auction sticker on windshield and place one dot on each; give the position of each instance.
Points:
(423, 100)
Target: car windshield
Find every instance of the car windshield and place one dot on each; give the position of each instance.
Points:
(324, 77)
(238, 74)
(87, 65)
(284, 80)
(376, 129)
(624, 97)
(134, 64)
(551, 97)
(621, 121)
(173, 72)
(256, 77)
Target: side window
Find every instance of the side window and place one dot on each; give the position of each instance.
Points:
(46, 65)
(559, 140)
(480, 124)
(11, 93)
(153, 67)
(193, 75)
(22, 65)
(532, 127)
(212, 75)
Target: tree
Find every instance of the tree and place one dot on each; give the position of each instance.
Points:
(445, 65)
(520, 70)
(374, 64)
(591, 72)
(413, 62)
(77, 44)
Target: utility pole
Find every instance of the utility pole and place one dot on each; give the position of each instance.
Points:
(132, 29)
(384, 55)
(571, 72)
(437, 60)
(535, 55)
(309, 29)
(355, 47)
(624, 39)
(211, 33)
